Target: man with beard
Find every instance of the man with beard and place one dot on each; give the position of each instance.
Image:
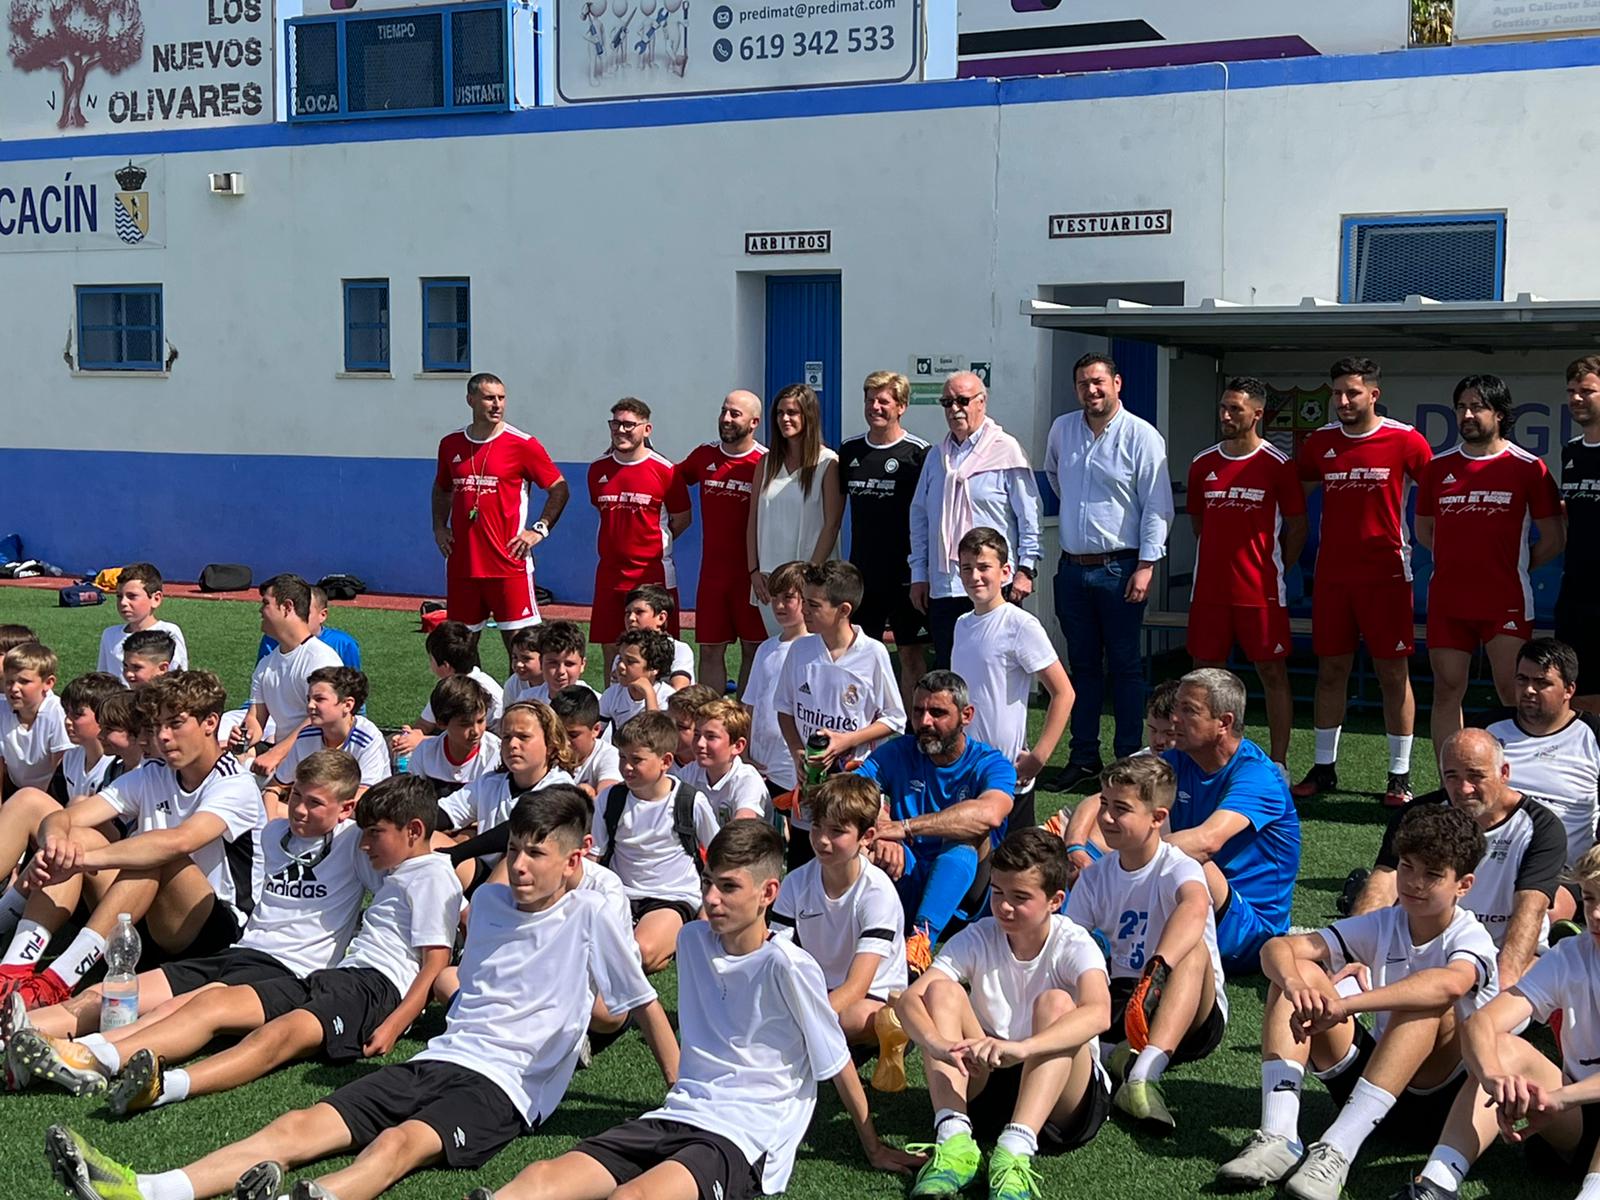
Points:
(1578, 608)
(1474, 506)
(1249, 518)
(1365, 464)
(724, 471)
(947, 798)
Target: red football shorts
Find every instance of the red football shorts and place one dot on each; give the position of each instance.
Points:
(1377, 612)
(723, 612)
(1447, 631)
(606, 617)
(507, 598)
(1261, 631)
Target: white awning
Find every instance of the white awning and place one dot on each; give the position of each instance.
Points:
(1217, 327)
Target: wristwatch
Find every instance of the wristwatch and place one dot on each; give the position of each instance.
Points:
(539, 527)
(1028, 572)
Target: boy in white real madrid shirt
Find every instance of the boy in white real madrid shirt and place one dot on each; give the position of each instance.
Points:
(1421, 967)
(757, 1036)
(337, 696)
(190, 872)
(499, 1069)
(1150, 902)
(1515, 1092)
(1019, 1056)
(309, 907)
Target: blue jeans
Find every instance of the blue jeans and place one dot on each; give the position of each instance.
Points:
(1102, 632)
(937, 878)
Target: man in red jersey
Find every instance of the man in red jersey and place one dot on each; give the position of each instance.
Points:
(630, 486)
(724, 471)
(1473, 510)
(480, 513)
(1366, 464)
(1249, 518)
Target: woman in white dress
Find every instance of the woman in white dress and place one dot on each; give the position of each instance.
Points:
(798, 505)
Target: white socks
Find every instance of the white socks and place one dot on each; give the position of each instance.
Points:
(27, 944)
(1019, 1139)
(1328, 746)
(947, 1123)
(169, 1185)
(1399, 754)
(1147, 1068)
(110, 1057)
(174, 1087)
(1446, 1167)
(1280, 1097)
(81, 957)
(1367, 1106)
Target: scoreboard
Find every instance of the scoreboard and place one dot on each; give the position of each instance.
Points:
(456, 58)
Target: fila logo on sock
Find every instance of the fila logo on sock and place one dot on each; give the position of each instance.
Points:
(87, 962)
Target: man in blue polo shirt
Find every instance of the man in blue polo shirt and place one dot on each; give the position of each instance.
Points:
(948, 799)
(1233, 815)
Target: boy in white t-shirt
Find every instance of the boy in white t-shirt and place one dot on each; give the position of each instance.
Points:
(649, 606)
(279, 688)
(337, 696)
(526, 676)
(767, 752)
(1000, 649)
(1421, 966)
(837, 682)
(33, 725)
(684, 706)
(757, 1036)
(597, 768)
(146, 655)
(649, 830)
(463, 750)
(1514, 1091)
(845, 913)
(637, 677)
(538, 953)
(1040, 998)
(563, 657)
(139, 597)
(452, 651)
(1149, 901)
(734, 787)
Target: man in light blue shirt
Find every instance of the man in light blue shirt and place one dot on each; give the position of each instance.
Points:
(1109, 467)
(978, 475)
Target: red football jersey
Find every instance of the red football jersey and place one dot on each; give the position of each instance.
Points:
(1482, 508)
(1364, 484)
(488, 485)
(634, 544)
(1242, 503)
(725, 483)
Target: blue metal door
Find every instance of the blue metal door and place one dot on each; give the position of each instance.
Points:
(1136, 363)
(803, 340)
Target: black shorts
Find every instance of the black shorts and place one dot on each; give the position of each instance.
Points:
(1196, 1044)
(474, 1119)
(720, 1169)
(1416, 1115)
(887, 602)
(1578, 625)
(1542, 1156)
(649, 904)
(990, 1111)
(350, 1002)
(235, 965)
(221, 929)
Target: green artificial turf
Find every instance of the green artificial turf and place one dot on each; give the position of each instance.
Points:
(1217, 1101)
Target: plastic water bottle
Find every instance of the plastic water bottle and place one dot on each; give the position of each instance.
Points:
(119, 991)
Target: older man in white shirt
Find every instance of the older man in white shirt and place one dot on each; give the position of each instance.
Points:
(1109, 467)
(978, 475)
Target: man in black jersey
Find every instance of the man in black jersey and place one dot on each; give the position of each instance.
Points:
(1515, 889)
(1578, 607)
(880, 470)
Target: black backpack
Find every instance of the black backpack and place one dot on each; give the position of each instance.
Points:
(342, 587)
(225, 577)
(682, 820)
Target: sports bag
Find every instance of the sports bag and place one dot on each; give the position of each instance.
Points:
(80, 595)
(342, 587)
(225, 577)
(682, 821)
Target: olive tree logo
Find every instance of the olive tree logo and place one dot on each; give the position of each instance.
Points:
(73, 37)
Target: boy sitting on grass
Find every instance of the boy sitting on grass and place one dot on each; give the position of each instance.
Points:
(563, 656)
(757, 1036)
(1421, 966)
(33, 725)
(650, 606)
(684, 706)
(1019, 1056)
(596, 768)
(452, 651)
(638, 677)
(147, 655)
(463, 750)
(338, 694)
(1150, 902)
(139, 596)
(525, 675)
(734, 787)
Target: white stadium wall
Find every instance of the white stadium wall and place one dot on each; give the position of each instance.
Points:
(605, 249)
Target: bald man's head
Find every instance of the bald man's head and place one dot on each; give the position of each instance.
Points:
(741, 413)
(1472, 764)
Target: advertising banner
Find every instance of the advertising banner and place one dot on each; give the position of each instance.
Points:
(120, 66)
(1494, 20)
(1041, 37)
(85, 204)
(324, 8)
(633, 49)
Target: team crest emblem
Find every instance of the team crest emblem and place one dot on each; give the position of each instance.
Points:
(852, 694)
(892, 466)
(133, 205)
